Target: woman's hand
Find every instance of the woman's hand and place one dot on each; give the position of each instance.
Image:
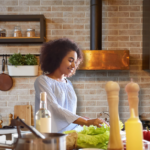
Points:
(96, 122)
(85, 121)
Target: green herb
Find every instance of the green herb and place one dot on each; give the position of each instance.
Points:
(18, 59)
(30, 59)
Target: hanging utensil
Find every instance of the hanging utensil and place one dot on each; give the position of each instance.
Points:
(6, 81)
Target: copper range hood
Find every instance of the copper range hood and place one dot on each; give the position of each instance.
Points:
(96, 58)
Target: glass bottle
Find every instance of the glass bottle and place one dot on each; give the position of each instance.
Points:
(43, 115)
(2, 33)
(17, 31)
(30, 32)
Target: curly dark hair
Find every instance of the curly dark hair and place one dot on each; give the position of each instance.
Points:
(53, 52)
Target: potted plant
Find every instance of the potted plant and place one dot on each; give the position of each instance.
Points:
(20, 65)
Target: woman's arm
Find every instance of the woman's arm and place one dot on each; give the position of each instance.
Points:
(96, 122)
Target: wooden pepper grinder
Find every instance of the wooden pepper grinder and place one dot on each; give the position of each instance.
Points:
(112, 89)
(1, 121)
(132, 89)
(10, 118)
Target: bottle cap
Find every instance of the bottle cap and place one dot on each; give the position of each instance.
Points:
(43, 96)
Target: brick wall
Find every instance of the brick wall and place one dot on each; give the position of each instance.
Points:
(122, 30)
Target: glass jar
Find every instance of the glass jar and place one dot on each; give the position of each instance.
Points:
(17, 32)
(30, 32)
(2, 33)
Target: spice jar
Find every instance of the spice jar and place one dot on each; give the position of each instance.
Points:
(17, 32)
(30, 32)
(2, 33)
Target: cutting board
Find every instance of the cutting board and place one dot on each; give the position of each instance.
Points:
(23, 112)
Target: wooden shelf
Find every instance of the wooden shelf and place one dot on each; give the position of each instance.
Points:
(19, 37)
(24, 40)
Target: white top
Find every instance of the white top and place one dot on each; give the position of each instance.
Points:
(61, 102)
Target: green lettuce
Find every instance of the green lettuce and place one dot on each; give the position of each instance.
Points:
(92, 137)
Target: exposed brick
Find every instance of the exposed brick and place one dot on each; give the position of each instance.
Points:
(73, 14)
(81, 20)
(53, 14)
(96, 109)
(110, 44)
(8, 2)
(20, 80)
(129, 8)
(110, 8)
(129, 44)
(20, 9)
(86, 103)
(81, 32)
(26, 98)
(32, 92)
(118, 14)
(123, 73)
(80, 109)
(87, 26)
(29, 50)
(136, 2)
(54, 2)
(62, 20)
(94, 86)
(86, 114)
(62, 32)
(129, 20)
(62, 8)
(135, 26)
(43, 8)
(136, 14)
(69, 2)
(118, 38)
(74, 26)
(82, 8)
(110, 32)
(130, 32)
(118, 2)
(110, 20)
(136, 38)
(29, 2)
(54, 26)
(18, 92)
(17, 103)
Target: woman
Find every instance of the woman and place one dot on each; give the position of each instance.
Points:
(59, 59)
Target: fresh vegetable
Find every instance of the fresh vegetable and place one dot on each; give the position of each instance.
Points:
(146, 134)
(92, 137)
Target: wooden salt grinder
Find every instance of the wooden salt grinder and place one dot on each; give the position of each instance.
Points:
(132, 89)
(10, 118)
(112, 89)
